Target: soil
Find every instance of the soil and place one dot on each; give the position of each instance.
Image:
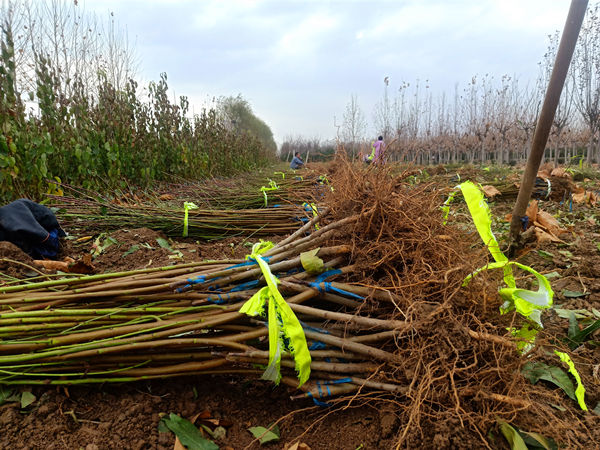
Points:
(127, 416)
(14, 262)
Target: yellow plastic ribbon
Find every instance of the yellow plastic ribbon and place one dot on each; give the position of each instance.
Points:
(282, 322)
(186, 207)
(446, 206)
(325, 180)
(482, 218)
(580, 390)
(315, 211)
(280, 173)
(272, 187)
(527, 303)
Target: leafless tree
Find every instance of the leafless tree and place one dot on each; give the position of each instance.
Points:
(586, 64)
(354, 125)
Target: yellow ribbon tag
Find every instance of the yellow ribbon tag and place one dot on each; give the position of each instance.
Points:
(314, 209)
(580, 390)
(282, 322)
(272, 187)
(527, 303)
(186, 207)
(280, 173)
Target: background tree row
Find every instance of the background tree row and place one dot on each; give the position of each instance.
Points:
(70, 107)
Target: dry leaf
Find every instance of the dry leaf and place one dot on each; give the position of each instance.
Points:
(549, 223)
(298, 446)
(490, 191)
(560, 172)
(544, 174)
(542, 236)
(532, 211)
(166, 197)
(178, 445)
(585, 197)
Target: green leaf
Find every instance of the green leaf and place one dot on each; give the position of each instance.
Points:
(536, 370)
(579, 313)
(580, 336)
(574, 294)
(537, 441)
(598, 246)
(573, 326)
(5, 394)
(553, 275)
(566, 253)
(525, 337)
(512, 436)
(134, 248)
(545, 254)
(188, 434)
(27, 398)
(162, 427)
(265, 435)
(102, 242)
(164, 243)
(311, 262)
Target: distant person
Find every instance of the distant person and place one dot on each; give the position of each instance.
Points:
(377, 152)
(297, 162)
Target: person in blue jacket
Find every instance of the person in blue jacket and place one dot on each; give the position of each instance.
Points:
(297, 162)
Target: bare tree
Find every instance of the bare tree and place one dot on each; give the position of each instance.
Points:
(382, 114)
(74, 42)
(587, 76)
(354, 125)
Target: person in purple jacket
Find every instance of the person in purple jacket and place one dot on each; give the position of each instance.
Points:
(377, 152)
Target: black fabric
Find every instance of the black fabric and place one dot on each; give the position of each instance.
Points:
(29, 225)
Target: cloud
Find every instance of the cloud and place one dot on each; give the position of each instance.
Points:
(298, 61)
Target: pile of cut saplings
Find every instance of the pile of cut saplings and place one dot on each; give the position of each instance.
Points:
(395, 323)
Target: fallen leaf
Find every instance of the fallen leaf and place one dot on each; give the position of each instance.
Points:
(189, 435)
(574, 294)
(490, 191)
(311, 262)
(560, 172)
(178, 445)
(27, 398)
(166, 197)
(298, 446)
(512, 436)
(532, 211)
(543, 237)
(549, 223)
(84, 265)
(265, 435)
(537, 370)
(543, 174)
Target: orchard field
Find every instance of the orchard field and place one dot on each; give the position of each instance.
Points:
(409, 353)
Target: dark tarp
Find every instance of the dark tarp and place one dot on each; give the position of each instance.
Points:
(32, 227)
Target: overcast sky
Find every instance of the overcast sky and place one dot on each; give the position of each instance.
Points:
(298, 62)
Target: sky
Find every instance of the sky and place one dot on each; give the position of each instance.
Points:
(298, 62)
